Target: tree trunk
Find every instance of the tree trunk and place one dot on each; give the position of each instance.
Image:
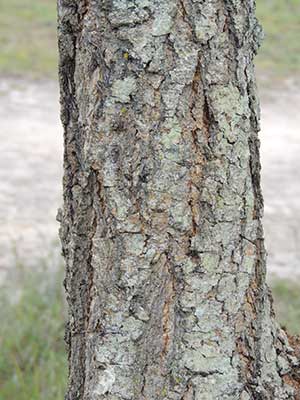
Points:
(161, 225)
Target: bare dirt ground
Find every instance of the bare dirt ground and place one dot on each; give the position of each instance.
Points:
(280, 156)
(31, 171)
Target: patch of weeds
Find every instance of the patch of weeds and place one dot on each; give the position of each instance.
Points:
(33, 360)
(287, 304)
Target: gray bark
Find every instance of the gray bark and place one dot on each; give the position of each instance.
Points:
(161, 224)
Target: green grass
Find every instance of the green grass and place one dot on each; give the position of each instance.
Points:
(28, 38)
(287, 304)
(279, 56)
(33, 361)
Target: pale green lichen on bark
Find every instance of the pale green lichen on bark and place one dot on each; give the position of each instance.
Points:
(161, 224)
(123, 89)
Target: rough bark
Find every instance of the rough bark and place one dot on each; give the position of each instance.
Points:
(161, 224)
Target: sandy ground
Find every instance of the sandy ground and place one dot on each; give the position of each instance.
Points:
(31, 169)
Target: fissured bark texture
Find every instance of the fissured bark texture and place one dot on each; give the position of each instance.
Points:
(161, 224)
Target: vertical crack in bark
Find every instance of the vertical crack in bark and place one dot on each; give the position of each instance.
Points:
(183, 10)
(197, 163)
(189, 393)
(166, 316)
(83, 10)
(96, 190)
